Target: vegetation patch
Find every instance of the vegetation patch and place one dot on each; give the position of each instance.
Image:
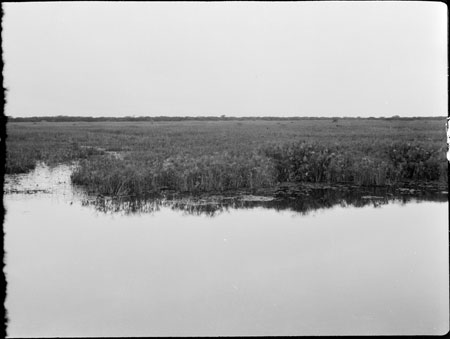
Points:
(142, 158)
(208, 173)
(388, 163)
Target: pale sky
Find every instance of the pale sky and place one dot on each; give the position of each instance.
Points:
(234, 58)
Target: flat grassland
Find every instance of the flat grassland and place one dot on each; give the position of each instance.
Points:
(140, 158)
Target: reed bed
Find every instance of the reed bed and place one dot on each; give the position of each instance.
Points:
(218, 156)
(389, 163)
(209, 173)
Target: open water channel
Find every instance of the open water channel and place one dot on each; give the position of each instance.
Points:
(79, 267)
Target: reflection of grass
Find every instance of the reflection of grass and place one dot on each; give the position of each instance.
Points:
(212, 206)
(215, 156)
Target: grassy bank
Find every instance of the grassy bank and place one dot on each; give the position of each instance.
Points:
(216, 156)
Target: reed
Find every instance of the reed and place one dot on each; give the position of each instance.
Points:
(389, 163)
(215, 173)
(219, 156)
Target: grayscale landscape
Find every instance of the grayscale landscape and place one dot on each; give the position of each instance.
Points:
(225, 169)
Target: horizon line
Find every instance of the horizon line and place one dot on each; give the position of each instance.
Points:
(222, 117)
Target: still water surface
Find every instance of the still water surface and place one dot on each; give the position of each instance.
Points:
(75, 271)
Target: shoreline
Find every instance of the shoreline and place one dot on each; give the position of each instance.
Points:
(299, 197)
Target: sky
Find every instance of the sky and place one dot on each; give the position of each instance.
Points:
(233, 58)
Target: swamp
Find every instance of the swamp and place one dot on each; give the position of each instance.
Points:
(226, 227)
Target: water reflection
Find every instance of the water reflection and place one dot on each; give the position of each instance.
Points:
(212, 206)
(72, 272)
(301, 199)
(85, 266)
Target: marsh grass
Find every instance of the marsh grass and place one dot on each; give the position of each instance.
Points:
(25, 147)
(217, 156)
(208, 173)
(362, 164)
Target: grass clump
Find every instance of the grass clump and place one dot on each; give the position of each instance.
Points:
(209, 173)
(417, 161)
(387, 163)
(217, 172)
(26, 147)
(110, 176)
(21, 161)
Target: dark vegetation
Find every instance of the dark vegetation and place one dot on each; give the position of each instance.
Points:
(64, 118)
(306, 199)
(141, 158)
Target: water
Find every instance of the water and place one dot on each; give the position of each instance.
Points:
(74, 269)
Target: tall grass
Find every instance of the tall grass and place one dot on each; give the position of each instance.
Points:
(362, 164)
(209, 173)
(27, 146)
(207, 156)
